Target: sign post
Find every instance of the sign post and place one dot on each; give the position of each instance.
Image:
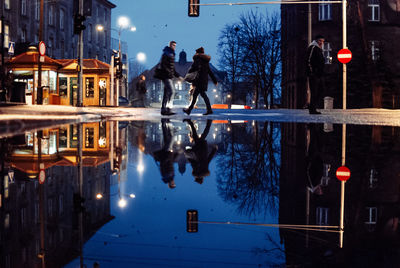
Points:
(343, 174)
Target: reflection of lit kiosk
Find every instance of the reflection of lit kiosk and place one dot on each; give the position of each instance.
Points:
(60, 80)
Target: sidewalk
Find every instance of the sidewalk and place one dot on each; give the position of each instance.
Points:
(45, 115)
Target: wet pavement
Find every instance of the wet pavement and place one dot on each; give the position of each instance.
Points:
(236, 190)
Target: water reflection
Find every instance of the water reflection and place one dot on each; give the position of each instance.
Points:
(259, 193)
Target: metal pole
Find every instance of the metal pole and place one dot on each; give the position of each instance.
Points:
(120, 60)
(80, 62)
(112, 81)
(80, 181)
(342, 188)
(39, 97)
(309, 39)
(344, 15)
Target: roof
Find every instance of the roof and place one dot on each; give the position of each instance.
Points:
(32, 58)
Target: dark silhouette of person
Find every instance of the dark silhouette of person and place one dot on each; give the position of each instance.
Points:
(201, 65)
(315, 71)
(200, 154)
(140, 92)
(166, 156)
(314, 162)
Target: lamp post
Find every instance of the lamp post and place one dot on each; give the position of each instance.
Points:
(123, 24)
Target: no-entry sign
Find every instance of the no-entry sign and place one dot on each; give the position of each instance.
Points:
(343, 173)
(344, 55)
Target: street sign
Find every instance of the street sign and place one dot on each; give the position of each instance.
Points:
(11, 48)
(42, 176)
(42, 48)
(344, 55)
(343, 173)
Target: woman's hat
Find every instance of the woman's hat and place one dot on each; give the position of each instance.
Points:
(200, 50)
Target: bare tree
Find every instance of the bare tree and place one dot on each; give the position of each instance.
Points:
(250, 52)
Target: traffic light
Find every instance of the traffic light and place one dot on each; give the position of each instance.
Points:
(192, 224)
(194, 8)
(118, 66)
(78, 23)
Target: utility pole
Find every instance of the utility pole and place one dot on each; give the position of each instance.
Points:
(39, 99)
(80, 61)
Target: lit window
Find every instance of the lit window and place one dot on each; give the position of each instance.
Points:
(324, 11)
(6, 35)
(89, 87)
(327, 51)
(374, 10)
(7, 4)
(89, 137)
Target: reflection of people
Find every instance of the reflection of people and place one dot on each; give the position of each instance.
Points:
(314, 161)
(168, 67)
(140, 91)
(315, 71)
(202, 66)
(200, 154)
(166, 156)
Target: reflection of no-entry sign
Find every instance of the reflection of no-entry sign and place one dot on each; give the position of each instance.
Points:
(344, 55)
(42, 176)
(343, 173)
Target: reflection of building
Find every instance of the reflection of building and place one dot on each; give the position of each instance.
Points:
(25, 216)
(372, 34)
(371, 199)
(60, 81)
(155, 87)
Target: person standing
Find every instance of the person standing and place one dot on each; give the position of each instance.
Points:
(167, 66)
(140, 91)
(315, 71)
(201, 65)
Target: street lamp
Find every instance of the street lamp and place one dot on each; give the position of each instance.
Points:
(121, 198)
(123, 24)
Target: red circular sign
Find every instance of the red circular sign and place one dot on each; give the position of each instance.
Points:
(344, 55)
(42, 176)
(42, 48)
(343, 173)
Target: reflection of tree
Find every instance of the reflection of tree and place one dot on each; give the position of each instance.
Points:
(249, 176)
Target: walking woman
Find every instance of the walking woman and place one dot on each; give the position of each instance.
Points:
(202, 67)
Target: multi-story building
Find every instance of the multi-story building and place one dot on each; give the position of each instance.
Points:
(21, 25)
(373, 26)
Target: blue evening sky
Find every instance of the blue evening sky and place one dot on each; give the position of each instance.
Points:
(159, 21)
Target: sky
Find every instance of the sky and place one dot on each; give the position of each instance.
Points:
(160, 21)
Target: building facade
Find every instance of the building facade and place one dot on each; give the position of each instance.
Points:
(21, 25)
(373, 26)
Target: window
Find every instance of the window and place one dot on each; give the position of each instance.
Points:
(371, 218)
(23, 35)
(327, 51)
(105, 39)
(23, 7)
(89, 87)
(89, 137)
(51, 15)
(62, 18)
(373, 179)
(322, 216)
(37, 10)
(7, 4)
(374, 47)
(324, 11)
(374, 10)
(6, 35)
(105, 14)
(89, 28)
(61, 204)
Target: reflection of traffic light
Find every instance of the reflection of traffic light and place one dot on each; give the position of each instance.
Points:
(78, 203)
(194, 8)
(118, 66)
(192, 225)
(78, 23)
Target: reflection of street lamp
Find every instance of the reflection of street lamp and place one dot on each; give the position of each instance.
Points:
(121, 200)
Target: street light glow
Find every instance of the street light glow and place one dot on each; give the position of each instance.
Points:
(133, 28)
(99, 27)
(122, 203)
(141, 57)
(123, 22)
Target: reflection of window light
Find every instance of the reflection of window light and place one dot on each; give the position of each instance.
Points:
(102, 142)
(7, 221)
(371, 218)
(214, 136)
(373, 178)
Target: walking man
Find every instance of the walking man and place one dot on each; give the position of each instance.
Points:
(167, 65)
(315, 71)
